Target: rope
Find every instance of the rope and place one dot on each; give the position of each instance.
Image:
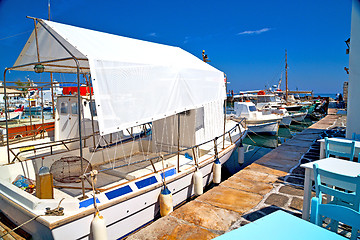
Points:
(132, 148)
(256, 133)
(54, 212)
(115, 152)
(251, 139)
(91, 157)
(255, 153)
(14, 229)
(141, 140)
(93, 180)
(15, 35)
(163, 170)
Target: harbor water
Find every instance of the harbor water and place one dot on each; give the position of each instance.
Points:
(258, 145)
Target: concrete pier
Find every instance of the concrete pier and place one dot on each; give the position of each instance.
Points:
(273, 182)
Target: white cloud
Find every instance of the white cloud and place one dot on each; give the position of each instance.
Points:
(187, 39)
(153, 34)
(254, 32)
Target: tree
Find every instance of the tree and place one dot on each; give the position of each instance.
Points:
(23, 86)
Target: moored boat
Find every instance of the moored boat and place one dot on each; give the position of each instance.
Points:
(256, 121)
(115, 152)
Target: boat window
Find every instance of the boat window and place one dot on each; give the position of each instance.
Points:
(252, 108)
(74, 108)
(64, 108)
(199, 119)
(92, 107)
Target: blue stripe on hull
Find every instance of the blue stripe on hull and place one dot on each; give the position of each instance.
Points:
(118, 192)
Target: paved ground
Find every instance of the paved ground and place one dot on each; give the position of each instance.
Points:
(273, 182)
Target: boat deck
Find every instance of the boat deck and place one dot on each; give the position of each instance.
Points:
(123, 170)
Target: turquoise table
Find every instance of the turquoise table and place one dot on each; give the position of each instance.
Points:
(280, 226)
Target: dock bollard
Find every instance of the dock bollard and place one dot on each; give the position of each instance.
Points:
(198, 183)
(217, 171)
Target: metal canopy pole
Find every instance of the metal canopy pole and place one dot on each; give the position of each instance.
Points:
(36, 39)
(92, 111)
(6, 118)
(52, 96)
(178, 143)
(79, 102)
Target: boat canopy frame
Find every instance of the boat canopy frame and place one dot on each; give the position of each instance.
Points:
(76, 60)
(79, 70)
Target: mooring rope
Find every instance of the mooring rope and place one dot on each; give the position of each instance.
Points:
(256, 133)
(14, 229)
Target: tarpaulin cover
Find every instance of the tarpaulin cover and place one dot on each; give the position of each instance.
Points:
(134, 81)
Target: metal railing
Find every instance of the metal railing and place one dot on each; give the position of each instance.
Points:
(193, 148)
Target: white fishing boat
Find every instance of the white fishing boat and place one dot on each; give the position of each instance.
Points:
(298, 117)
(280, 111)
(98, 164)
(256, 121)
(12, 115)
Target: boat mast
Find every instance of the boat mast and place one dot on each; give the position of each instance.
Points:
(286, 77)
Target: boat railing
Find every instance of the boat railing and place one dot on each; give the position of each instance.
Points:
(41, 146)
(194, 148)
(51, 145)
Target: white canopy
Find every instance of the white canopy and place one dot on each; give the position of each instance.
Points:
(134, 81)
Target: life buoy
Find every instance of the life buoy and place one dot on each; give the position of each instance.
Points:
(261, 92)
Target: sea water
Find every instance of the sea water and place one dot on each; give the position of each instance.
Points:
(258, 145)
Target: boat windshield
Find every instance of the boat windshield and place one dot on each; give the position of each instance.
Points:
(262, 99)
(252, 108)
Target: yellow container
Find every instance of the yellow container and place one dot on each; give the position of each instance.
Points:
(44, 186)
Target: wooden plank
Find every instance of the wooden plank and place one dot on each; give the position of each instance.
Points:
(6, 225)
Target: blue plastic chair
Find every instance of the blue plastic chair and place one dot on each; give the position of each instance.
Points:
(356, 137)
(341, 197)
(341, 149)
(337, 213)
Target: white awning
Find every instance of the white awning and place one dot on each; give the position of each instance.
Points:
(134, 81)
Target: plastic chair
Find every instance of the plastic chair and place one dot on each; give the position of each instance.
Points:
(338, 213)
(341, 197)
(341, 149)
(356, 137)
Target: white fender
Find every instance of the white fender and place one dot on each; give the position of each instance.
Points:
(198, 183)
(166, 202)
(98, 228)
(217, 171)
(241, 156)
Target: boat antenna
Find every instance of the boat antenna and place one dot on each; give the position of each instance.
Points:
(49, 9)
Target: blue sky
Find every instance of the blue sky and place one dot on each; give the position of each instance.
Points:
(244, 39)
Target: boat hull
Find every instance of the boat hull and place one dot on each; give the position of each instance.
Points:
(298, 117)
(286, 121)
(124, 214)
(270, 128)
